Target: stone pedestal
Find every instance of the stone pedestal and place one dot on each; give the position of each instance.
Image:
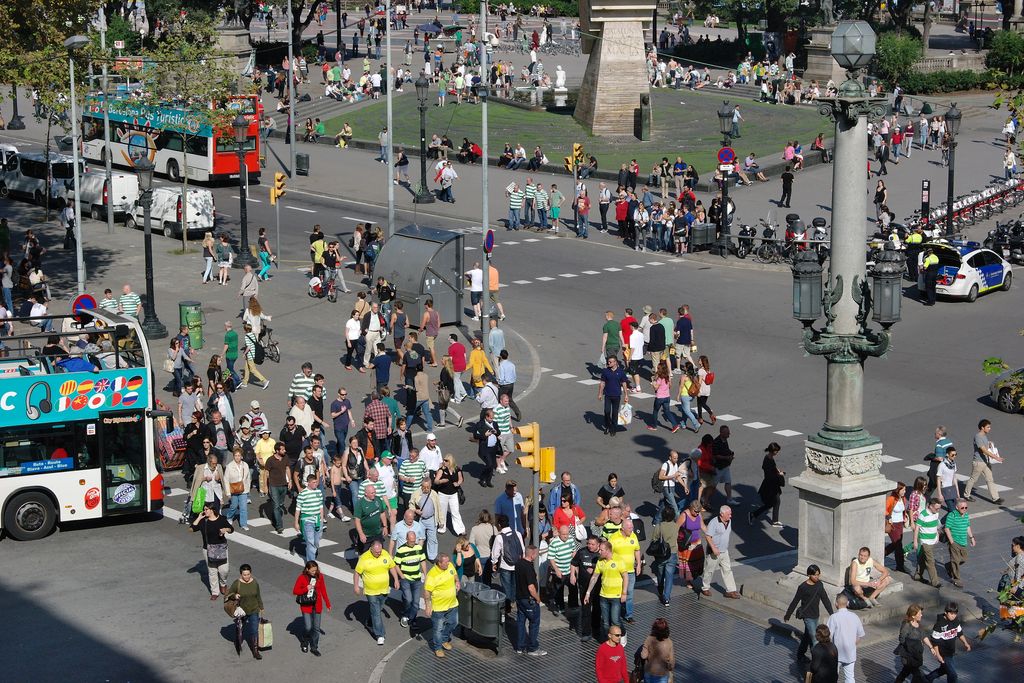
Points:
(616, 77)
(842, 508)
(234, 40)
(820, 65)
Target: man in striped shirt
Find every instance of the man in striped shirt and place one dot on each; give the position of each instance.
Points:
(412, 564)
(410, 474)
(108, 302)
(503, 418)
(926, 536)
(251, 341)
(542, 207)
(529, 202)
(129, 302)
(561, 548)
(309, 514)
(959, 535)
(302, 384)
(515, 205)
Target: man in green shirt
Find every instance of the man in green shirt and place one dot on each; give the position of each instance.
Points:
(230, 352)
(926, 536)
(959, 534)
(611, 336)
(556, 199)
(309, 514)
(371, 516)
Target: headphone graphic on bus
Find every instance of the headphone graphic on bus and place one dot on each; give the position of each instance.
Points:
(33, 412)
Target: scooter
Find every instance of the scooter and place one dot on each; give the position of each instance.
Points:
(745, 240)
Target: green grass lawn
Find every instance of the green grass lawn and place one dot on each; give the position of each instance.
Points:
(689, 130)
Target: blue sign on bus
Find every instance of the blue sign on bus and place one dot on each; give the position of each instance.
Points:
(69, 396)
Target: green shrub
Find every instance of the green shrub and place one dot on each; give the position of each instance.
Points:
(563, 8)
(727, 53)
(896, 56)
(1007, 52)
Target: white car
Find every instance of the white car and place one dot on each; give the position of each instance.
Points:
(166, 210)
(967, 270)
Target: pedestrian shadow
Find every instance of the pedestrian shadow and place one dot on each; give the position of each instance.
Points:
(297, 628)
(871, 670)
(359, 612)
(595, 419)
(199, 569)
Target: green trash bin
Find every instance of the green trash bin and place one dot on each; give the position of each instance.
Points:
(487, 608)
(190, 314)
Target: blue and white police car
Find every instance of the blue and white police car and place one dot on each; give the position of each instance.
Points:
(966, 269)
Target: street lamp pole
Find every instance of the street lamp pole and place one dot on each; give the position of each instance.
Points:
(953, 117)
(423, 195)
(151, 324)
(241, 126)
(16, 122)
(842, 486)
(725, 126)
(74, 43)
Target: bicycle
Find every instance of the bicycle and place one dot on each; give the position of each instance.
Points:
(269, 344)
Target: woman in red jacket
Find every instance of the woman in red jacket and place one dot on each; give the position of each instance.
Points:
(311, 595)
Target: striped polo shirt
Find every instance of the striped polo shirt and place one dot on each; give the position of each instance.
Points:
(250, 345)
(957, 524)
(542, 198)
(130, 304)
(503, 417)
(928, 527)
(531, 192)
(410, 560)
(109, 304)
(610, 528)
(309, 504)
(382, 489)
(301, 386)
(515, 199)
(412, 470)
(560, 553)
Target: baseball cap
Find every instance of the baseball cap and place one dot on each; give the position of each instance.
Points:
(255, 404)
(387, 455)
(431, 437)
(264, 431)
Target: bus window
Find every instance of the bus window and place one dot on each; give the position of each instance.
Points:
(197, 144)
(35, 449)
(228, 144)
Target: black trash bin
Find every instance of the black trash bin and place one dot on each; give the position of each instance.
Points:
(702, 236)
(487, 608)
(465, 595)
(302, 164)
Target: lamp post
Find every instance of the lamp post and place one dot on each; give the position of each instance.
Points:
(842, 486)
(151, 324)
(75, 43)
(724, 125)
(423, 194)
(16, 122)
(953, 117)
(241, 126)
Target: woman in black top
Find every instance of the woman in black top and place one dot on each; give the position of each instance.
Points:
(824, 666)
(214, 529)
(807, 596)
(911, 646)
(771, 486)
(609, 491)
(446, 390)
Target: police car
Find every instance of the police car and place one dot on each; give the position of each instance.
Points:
(967, 270)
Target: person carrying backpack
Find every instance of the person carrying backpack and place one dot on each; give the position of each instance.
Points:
(507, 548)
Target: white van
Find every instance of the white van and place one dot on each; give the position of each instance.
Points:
(165, 213)
(94, 193)
(25, 175)
(6, 152)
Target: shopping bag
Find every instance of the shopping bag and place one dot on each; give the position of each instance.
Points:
(625, 415)
(266, 638)
(199, 500)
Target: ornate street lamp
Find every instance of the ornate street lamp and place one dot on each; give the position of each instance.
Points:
(725, 126)
(953, 118)
(151, 324)
(241, 126)
(842, 488)
(423, 194)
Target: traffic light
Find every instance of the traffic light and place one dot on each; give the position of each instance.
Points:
(577, 153)
(277, 191)
(530, 447)
(547, 464)
(570, 165)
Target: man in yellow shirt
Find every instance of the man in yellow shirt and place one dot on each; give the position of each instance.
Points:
(613, 577)
(626, 551)
(264, 448)
(373, 571)
(441, 603)
(477, 364)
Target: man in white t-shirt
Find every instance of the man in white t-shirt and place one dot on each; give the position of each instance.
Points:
(636, 353)
(672, 476)
(476, 288)
(431, 454)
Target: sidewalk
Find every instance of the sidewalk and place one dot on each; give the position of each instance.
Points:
(716, 646)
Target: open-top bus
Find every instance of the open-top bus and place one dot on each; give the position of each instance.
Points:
(76, 428)
(174, 138)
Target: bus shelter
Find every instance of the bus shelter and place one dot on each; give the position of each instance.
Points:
(425, 263)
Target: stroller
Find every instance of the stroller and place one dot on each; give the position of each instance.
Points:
(316, 287)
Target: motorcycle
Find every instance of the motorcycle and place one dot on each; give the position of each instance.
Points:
(745, 240)
(1008, 241)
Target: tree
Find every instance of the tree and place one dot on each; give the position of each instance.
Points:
(1006, 53)
(896, 57)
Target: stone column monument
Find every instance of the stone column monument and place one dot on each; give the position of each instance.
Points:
(616, 75)
(820, 65)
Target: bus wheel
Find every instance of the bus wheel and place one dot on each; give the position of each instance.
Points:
(29, 516)
(172, 171)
